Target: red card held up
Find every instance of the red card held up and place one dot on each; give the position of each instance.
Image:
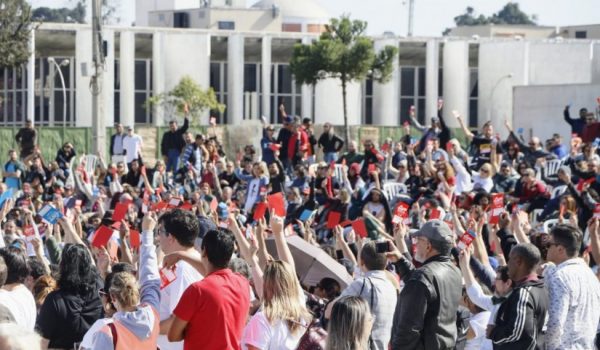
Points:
(435, 213)
(102, 236)
(260, 210)
(159, 206)
(333, 219)
(277, 203)
(371, 168)
(134, 238)
(186, 206)
(359, 227)
(120, 211)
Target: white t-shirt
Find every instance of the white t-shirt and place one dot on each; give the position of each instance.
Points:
(262, 335)
(88, 338)
(170, 295)
(133, 146)
(478, 324)
(21, 304)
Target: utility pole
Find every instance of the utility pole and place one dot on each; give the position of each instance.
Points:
(411, 14)
(98, 124)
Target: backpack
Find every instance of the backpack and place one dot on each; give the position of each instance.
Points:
(314, 338)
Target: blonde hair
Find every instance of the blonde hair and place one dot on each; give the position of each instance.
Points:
(281, 298)
(124, 289)
(43, 286)
(348, 326)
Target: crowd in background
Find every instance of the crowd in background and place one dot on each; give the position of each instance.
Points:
(419, 243)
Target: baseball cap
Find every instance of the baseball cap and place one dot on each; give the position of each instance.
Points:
(288, 120)
(435, 230)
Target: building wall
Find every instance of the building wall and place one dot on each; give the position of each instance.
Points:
(209, 18)
(539, 109)
(559, 63)
(591, 31)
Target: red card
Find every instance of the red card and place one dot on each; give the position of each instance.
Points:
(359, 227)
(497, 208)
(277, 203)
(174, 202)
(186, 206)
(120, 211)
(333, 219)
(102, 236)
(583, 182)
(167, 276)
(134, 238)
(274, 147)
(385, 147)
(260, 210)
(597, 211)
(214, 204)
(435, 213)
(28, 231)
(159, 206)
(116, 225)
(371, 168)
(401, 210)
(345, 223)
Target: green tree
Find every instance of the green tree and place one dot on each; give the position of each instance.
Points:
(344, 52)
(509, 14)
(77, 13)
(15, 27)
(187, 95)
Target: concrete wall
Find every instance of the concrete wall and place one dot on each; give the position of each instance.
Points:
(194, 63)
(328, 102)
(83, 55)
(209, 18)
(539, 109)
(559, 63)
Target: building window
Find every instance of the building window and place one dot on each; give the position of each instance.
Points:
(285, 91)
(473, 97)
(581, 34)
(13, 83)
(52, 106)
(226, 25)
(412, 92)
(218, 82)
(252, 87)
(142, 91)
(368, 101)
(291, 27)
(161, 17)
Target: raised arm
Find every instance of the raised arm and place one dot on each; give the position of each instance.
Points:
(463, 126)
(283, 250)
(148, 265)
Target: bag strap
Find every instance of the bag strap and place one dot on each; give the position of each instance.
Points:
(113, 333)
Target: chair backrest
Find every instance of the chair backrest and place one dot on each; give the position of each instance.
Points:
(338, 172)
(558, 191)
(90, 163)
(549, 224)
(393, 189)
(551, 167)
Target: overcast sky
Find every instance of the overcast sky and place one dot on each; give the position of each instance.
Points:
(431, 16)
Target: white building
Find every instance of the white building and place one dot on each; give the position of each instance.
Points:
(529, 80)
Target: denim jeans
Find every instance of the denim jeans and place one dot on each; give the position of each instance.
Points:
(330, 157)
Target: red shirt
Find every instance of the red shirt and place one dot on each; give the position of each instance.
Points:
(303, 137)
(216, 309)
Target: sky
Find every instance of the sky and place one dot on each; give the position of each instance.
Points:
(431, 17)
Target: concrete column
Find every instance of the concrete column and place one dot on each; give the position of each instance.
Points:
(127, 77)
(158, 75)
(235, 78)
(431, 78)
(83, 58)
(307, 93)
(108, 79)
(31, 79)
(266, 77)
(456, 81)
(386, 101)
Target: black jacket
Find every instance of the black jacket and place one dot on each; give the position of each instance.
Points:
(521, 318)
(333, 144)
(174, 140)
(425, 316)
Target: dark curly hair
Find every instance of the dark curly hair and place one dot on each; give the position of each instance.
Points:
(77, 272)
(181, 224)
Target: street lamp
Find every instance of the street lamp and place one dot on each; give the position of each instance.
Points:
(62, 63)
(491, 100)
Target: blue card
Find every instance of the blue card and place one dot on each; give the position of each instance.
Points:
(5, 196)
(50, 214)
(306, 214)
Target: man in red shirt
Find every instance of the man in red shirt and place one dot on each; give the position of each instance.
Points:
(298, 145)
(212, 312)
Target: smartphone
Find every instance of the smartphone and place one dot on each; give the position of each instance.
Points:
(339, 254)
(383, 247)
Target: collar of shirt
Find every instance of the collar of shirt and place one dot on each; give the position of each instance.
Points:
(531, 277)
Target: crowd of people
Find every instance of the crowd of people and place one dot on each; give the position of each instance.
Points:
(423, 243)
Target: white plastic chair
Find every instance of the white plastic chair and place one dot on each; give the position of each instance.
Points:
(338, 172)
(393, 189)
(551, 167)
(549, 224)
(558, 191)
